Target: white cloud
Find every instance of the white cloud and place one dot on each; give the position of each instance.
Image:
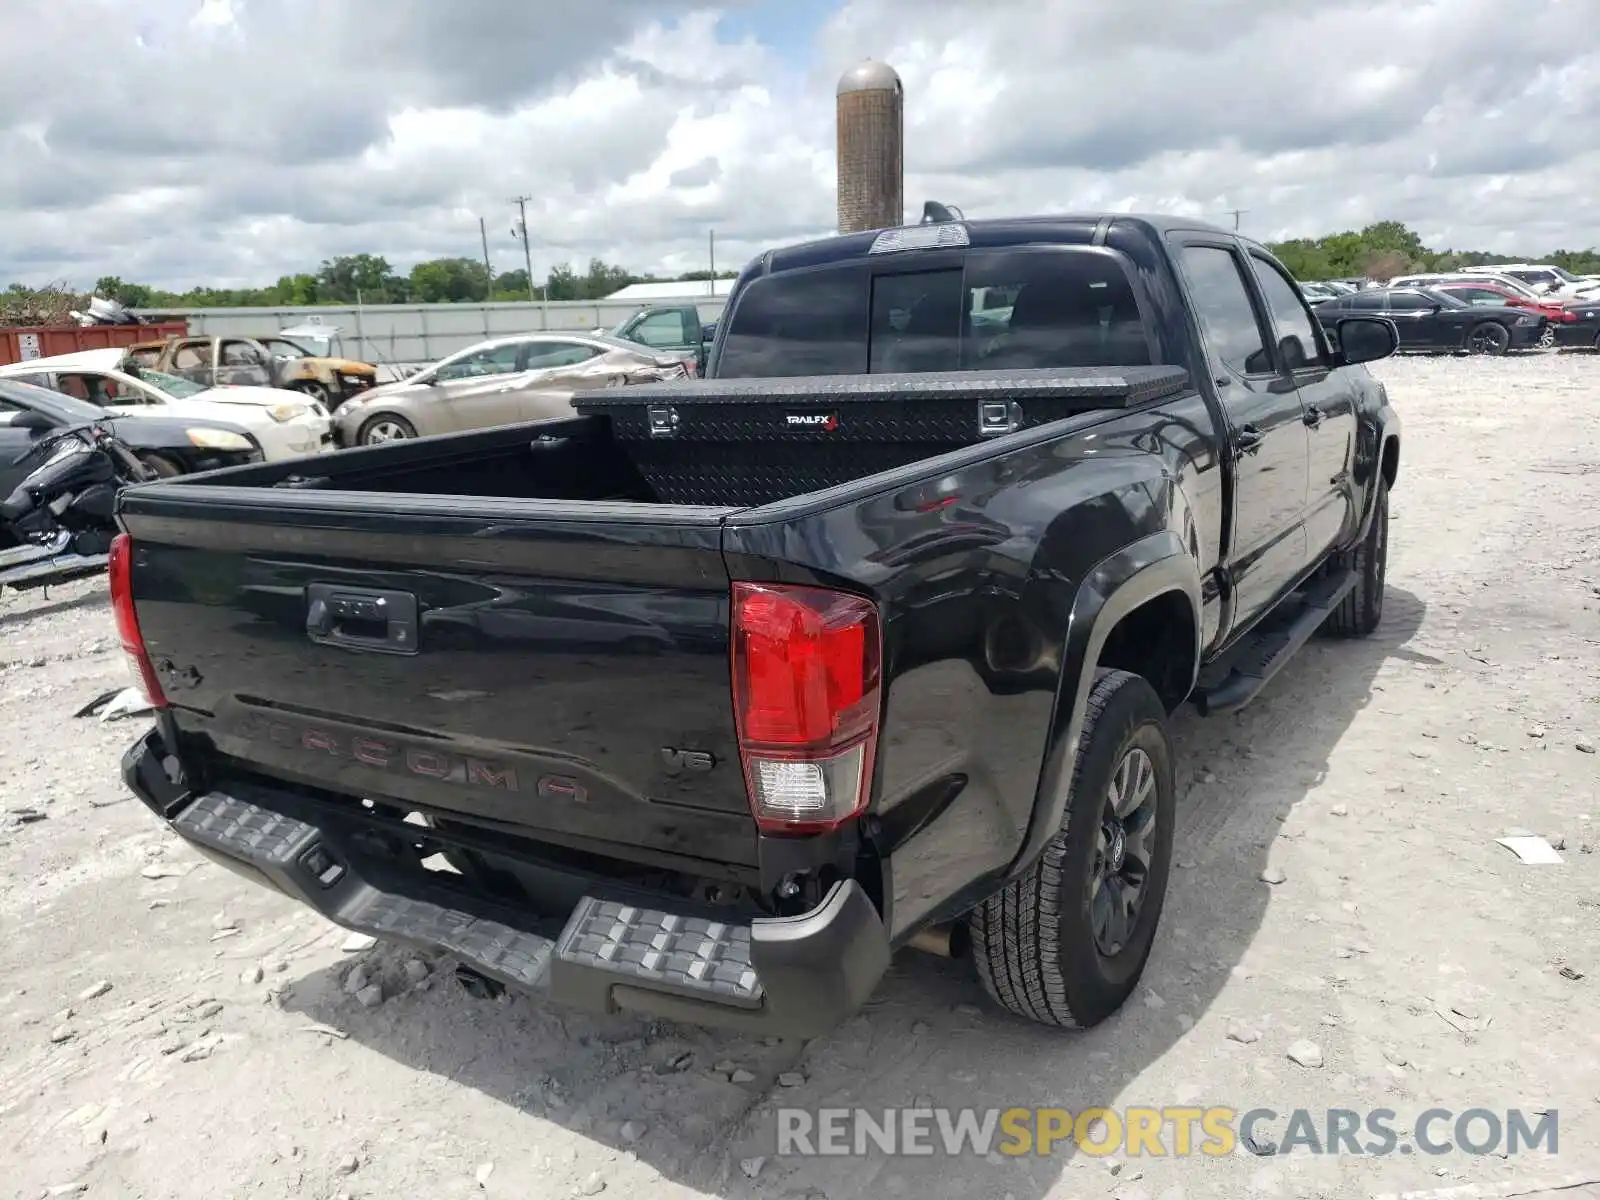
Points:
(232, 141)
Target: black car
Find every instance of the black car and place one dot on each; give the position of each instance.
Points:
(1432, 320)
(169, 445)
(1584, 330)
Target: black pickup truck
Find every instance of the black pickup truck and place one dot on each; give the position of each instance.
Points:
(707, 725)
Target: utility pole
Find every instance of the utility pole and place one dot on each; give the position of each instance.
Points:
(1236, 213)
(521, 232)
(488, 271)
(711, 246)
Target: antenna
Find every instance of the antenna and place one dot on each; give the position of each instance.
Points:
(934, 213)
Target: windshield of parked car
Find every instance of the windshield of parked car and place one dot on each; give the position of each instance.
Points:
(178, 389)
(1005, 309)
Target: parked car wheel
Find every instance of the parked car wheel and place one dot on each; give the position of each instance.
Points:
(163, 466)
(1065, 943)
(385, 427)
(1361, 610)
(313, 389)
(1488, 337)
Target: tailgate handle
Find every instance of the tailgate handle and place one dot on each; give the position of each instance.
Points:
(361, 618)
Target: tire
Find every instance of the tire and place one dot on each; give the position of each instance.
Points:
(385, 427)
(164, 467)
(1361, 610)
(1034, 942)
(312, 389)
(1488, 338)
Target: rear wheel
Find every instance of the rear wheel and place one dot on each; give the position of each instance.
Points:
(385, 427)
(1065, 943)
(1361, 610)
(1488, 337)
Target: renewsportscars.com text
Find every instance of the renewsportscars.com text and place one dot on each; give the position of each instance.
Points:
(1161, 1132)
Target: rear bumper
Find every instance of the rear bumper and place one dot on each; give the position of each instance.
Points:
(788, 976)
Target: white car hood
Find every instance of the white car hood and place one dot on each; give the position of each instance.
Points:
(261, 396)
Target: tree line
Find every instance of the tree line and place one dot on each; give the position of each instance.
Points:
(370, 279)
(1379, 251)
(1388, 248)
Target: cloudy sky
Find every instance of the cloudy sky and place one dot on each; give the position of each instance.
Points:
(228, 142)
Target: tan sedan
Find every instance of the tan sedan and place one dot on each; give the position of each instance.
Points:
(525, 377)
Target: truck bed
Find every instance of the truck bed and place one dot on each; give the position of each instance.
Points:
(507, 636)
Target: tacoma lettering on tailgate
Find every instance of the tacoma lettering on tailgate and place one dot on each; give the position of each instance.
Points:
(386, 755)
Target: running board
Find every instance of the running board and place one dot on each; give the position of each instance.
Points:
(1254, 663)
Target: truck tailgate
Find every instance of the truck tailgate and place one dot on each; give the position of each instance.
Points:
(540, 673)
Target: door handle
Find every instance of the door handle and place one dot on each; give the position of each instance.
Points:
(1313, 416)
(361, 618)
(1248, 440)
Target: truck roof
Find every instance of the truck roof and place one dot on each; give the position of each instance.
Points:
(1065, 228)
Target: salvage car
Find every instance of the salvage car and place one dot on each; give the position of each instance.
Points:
(168, 445)
(525, 377)
(669, 329)
(1431, 320)
(284, 424)
(902, 611)
(274, 361)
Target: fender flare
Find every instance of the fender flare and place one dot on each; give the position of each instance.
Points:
(1151, 567)
(1388, 432)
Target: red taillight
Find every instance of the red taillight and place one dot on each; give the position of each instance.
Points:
(806, 666)
(121, 572)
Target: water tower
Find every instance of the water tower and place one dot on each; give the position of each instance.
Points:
(871, 119)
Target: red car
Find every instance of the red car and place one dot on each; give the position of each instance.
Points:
(1494, 294)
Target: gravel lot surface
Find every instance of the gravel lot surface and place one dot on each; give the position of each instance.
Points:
(168, 1031)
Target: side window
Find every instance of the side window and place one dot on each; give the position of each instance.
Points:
(190, 358)
(76, 386)
(240, 354)
(144, 358)
(661, 329)
(1222, 305)
(96, 389)
(543, 356)
(1408, 302)
(1291, 323)
(497, 360)
(1367, 301)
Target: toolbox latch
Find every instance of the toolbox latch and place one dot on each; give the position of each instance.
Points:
(663, 421)
(997, 417)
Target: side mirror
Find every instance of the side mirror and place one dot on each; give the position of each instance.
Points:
(1366, 339)
(32, 420)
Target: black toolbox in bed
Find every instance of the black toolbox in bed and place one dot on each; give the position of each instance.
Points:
(753, 441)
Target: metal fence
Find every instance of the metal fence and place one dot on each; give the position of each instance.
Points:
(424, 333)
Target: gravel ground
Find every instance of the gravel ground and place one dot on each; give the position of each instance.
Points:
(169, 1031)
